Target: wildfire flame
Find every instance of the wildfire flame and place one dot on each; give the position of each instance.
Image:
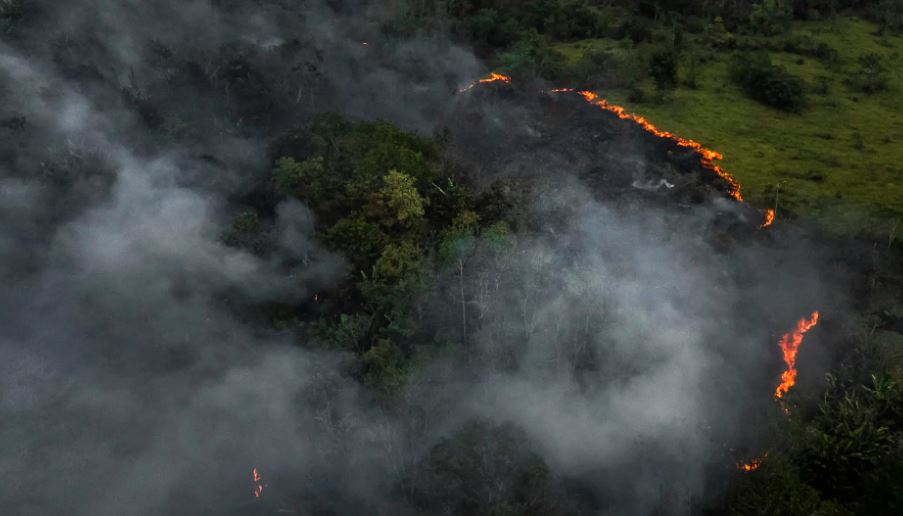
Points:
(492, 77)
(258, 482)
(790, 345)
(769, 218)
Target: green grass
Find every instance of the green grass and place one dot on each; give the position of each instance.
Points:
(838, 163)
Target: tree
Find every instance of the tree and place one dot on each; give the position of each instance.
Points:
(306, 180)
(398, 202)
(385, 366)
(871, 77)
(360, 239)
(770, 17)
(775, 489)
(531, 57)
(247, 233)
(767, 83)
(457, 244)
(663, 68)
(397, 263)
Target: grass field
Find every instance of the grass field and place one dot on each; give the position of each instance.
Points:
(838, 163)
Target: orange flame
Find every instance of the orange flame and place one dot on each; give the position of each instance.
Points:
(258, 482)
(790, 345)
(752, 465)
(769, 218)
(493, 77)
(709, 156)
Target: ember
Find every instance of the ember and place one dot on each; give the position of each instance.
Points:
(258, 482)
(752, 465)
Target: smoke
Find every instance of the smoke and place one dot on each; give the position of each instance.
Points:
(621, 341)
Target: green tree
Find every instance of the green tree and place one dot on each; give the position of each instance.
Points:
(385, 367)
(663, 68)
(775, 489)
(346, 332)
(398, 202)
(767, 83)
(247, 232)
(360, 239)
(532, 57)
(306, 180)
(770, 17)
(397, 263)
(871, 76)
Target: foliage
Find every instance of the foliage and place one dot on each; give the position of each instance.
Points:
(489, 29)
(247, 233)
(306, 180)
(398, 201)
(663, 68)
(766, 82)
(775, 489)
(359, 238)
(635, 28)
(485, 469)
(770, 17)
(386, 367)
(856, 430)
(346, 332)
(871, 75)
(531, 57)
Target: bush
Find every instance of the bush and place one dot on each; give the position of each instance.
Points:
(663, 68)
(488, 28)
(871, 76)
(532, 57)
(635, 28)
(770, 17)
(769, 84)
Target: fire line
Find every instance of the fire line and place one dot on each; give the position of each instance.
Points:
(790, 345)
(493, 77)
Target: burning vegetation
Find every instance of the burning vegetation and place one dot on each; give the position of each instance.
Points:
(790, 345)
(257, 480)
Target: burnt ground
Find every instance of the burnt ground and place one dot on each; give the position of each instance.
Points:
(502, 132)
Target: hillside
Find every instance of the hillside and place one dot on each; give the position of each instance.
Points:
(837, 162)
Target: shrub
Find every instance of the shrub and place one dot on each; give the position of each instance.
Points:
(769, 84)
(488, 28)
(532, 57)
(635, 28)
(663, 68)
(770, 17)
(871, 76)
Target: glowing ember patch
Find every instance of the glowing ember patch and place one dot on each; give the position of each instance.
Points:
(493, 77)
(790, 345)
(258, 483)
(769, 218)
(752, 465)
(709, 156)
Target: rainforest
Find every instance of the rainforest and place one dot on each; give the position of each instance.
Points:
(476, 257)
